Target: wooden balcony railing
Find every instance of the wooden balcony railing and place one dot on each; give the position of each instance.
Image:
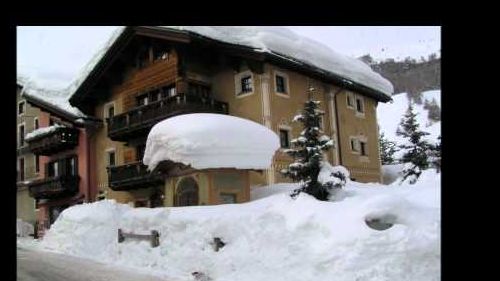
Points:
(132, 176)
(62, 138)
(54, 187)
(139, 120)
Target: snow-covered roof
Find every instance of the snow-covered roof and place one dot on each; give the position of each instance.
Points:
(205, 140)
(278, 41)
(283, 41)
(41, 132)
(58, 99)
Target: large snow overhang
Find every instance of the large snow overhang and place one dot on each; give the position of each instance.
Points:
(80, 89)
(211, 141)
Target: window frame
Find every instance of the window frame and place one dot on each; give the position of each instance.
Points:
(238, 91)
(362, 103)
(286, 85)
(23, 136)
(24, 108)
(363, 148)
(350, 97)
(36, 159)
(23, 173)
(108, 153)
(36, 123)
(354, 145)
(288, 132)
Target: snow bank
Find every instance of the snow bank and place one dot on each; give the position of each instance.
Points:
(24, 229)
(273, 238)
(389, 116)
(205, 140)
(42, 131)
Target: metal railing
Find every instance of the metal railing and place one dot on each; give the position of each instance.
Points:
(130, 174)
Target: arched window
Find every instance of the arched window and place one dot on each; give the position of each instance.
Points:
(186, 193)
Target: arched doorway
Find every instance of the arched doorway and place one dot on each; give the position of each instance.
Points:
(186, 193)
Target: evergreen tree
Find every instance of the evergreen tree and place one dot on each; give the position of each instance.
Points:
(436, 155)
(387, 150)
(308, 151)
(416, 149)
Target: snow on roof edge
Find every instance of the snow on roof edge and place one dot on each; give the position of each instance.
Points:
(387, 91)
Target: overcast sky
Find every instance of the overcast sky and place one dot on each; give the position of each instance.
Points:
(55, 55)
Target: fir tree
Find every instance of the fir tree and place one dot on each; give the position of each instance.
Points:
(436, 155)
(308, 151)
(417, 148)
(387, 150)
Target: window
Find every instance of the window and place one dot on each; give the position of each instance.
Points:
(21, 169)
(37, 164)
(21, 135)
(21, 108)
(243, 84)
(354, 145)
(350, 100)
(246, 84)
(53, 169)
(227, 198)
(359, 105)
(154, 95)
(284, 140)
(362, 145)
(280, 84)
(111, 111)
(168, 91)
(160, 53)
(111, 158)
(142, 99)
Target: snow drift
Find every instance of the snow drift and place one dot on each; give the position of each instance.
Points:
(273, 238)
(205, 140)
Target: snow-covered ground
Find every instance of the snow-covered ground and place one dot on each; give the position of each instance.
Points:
(272, 237)
(389, 116)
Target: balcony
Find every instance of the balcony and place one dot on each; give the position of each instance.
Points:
(132, 176)
(60, 139)
(54, 187)
(138, 121)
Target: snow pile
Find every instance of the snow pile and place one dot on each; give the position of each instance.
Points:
(41, 132)
(286, 43)
(24, 229)
(273, 238)
(389, 116)
(205, 140)
(390, 173)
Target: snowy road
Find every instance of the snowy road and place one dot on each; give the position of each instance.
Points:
(45, 266)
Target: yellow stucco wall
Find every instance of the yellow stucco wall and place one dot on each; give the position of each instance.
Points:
(25, 206)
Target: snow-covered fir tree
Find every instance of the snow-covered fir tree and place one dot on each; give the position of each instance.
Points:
(307, 150)
(416, 148)
(387, 150)
(435, 155)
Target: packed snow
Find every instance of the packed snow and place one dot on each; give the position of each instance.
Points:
(389, 116)
(273, 237)
(205, 140)
(41, 132)
(57, 98)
